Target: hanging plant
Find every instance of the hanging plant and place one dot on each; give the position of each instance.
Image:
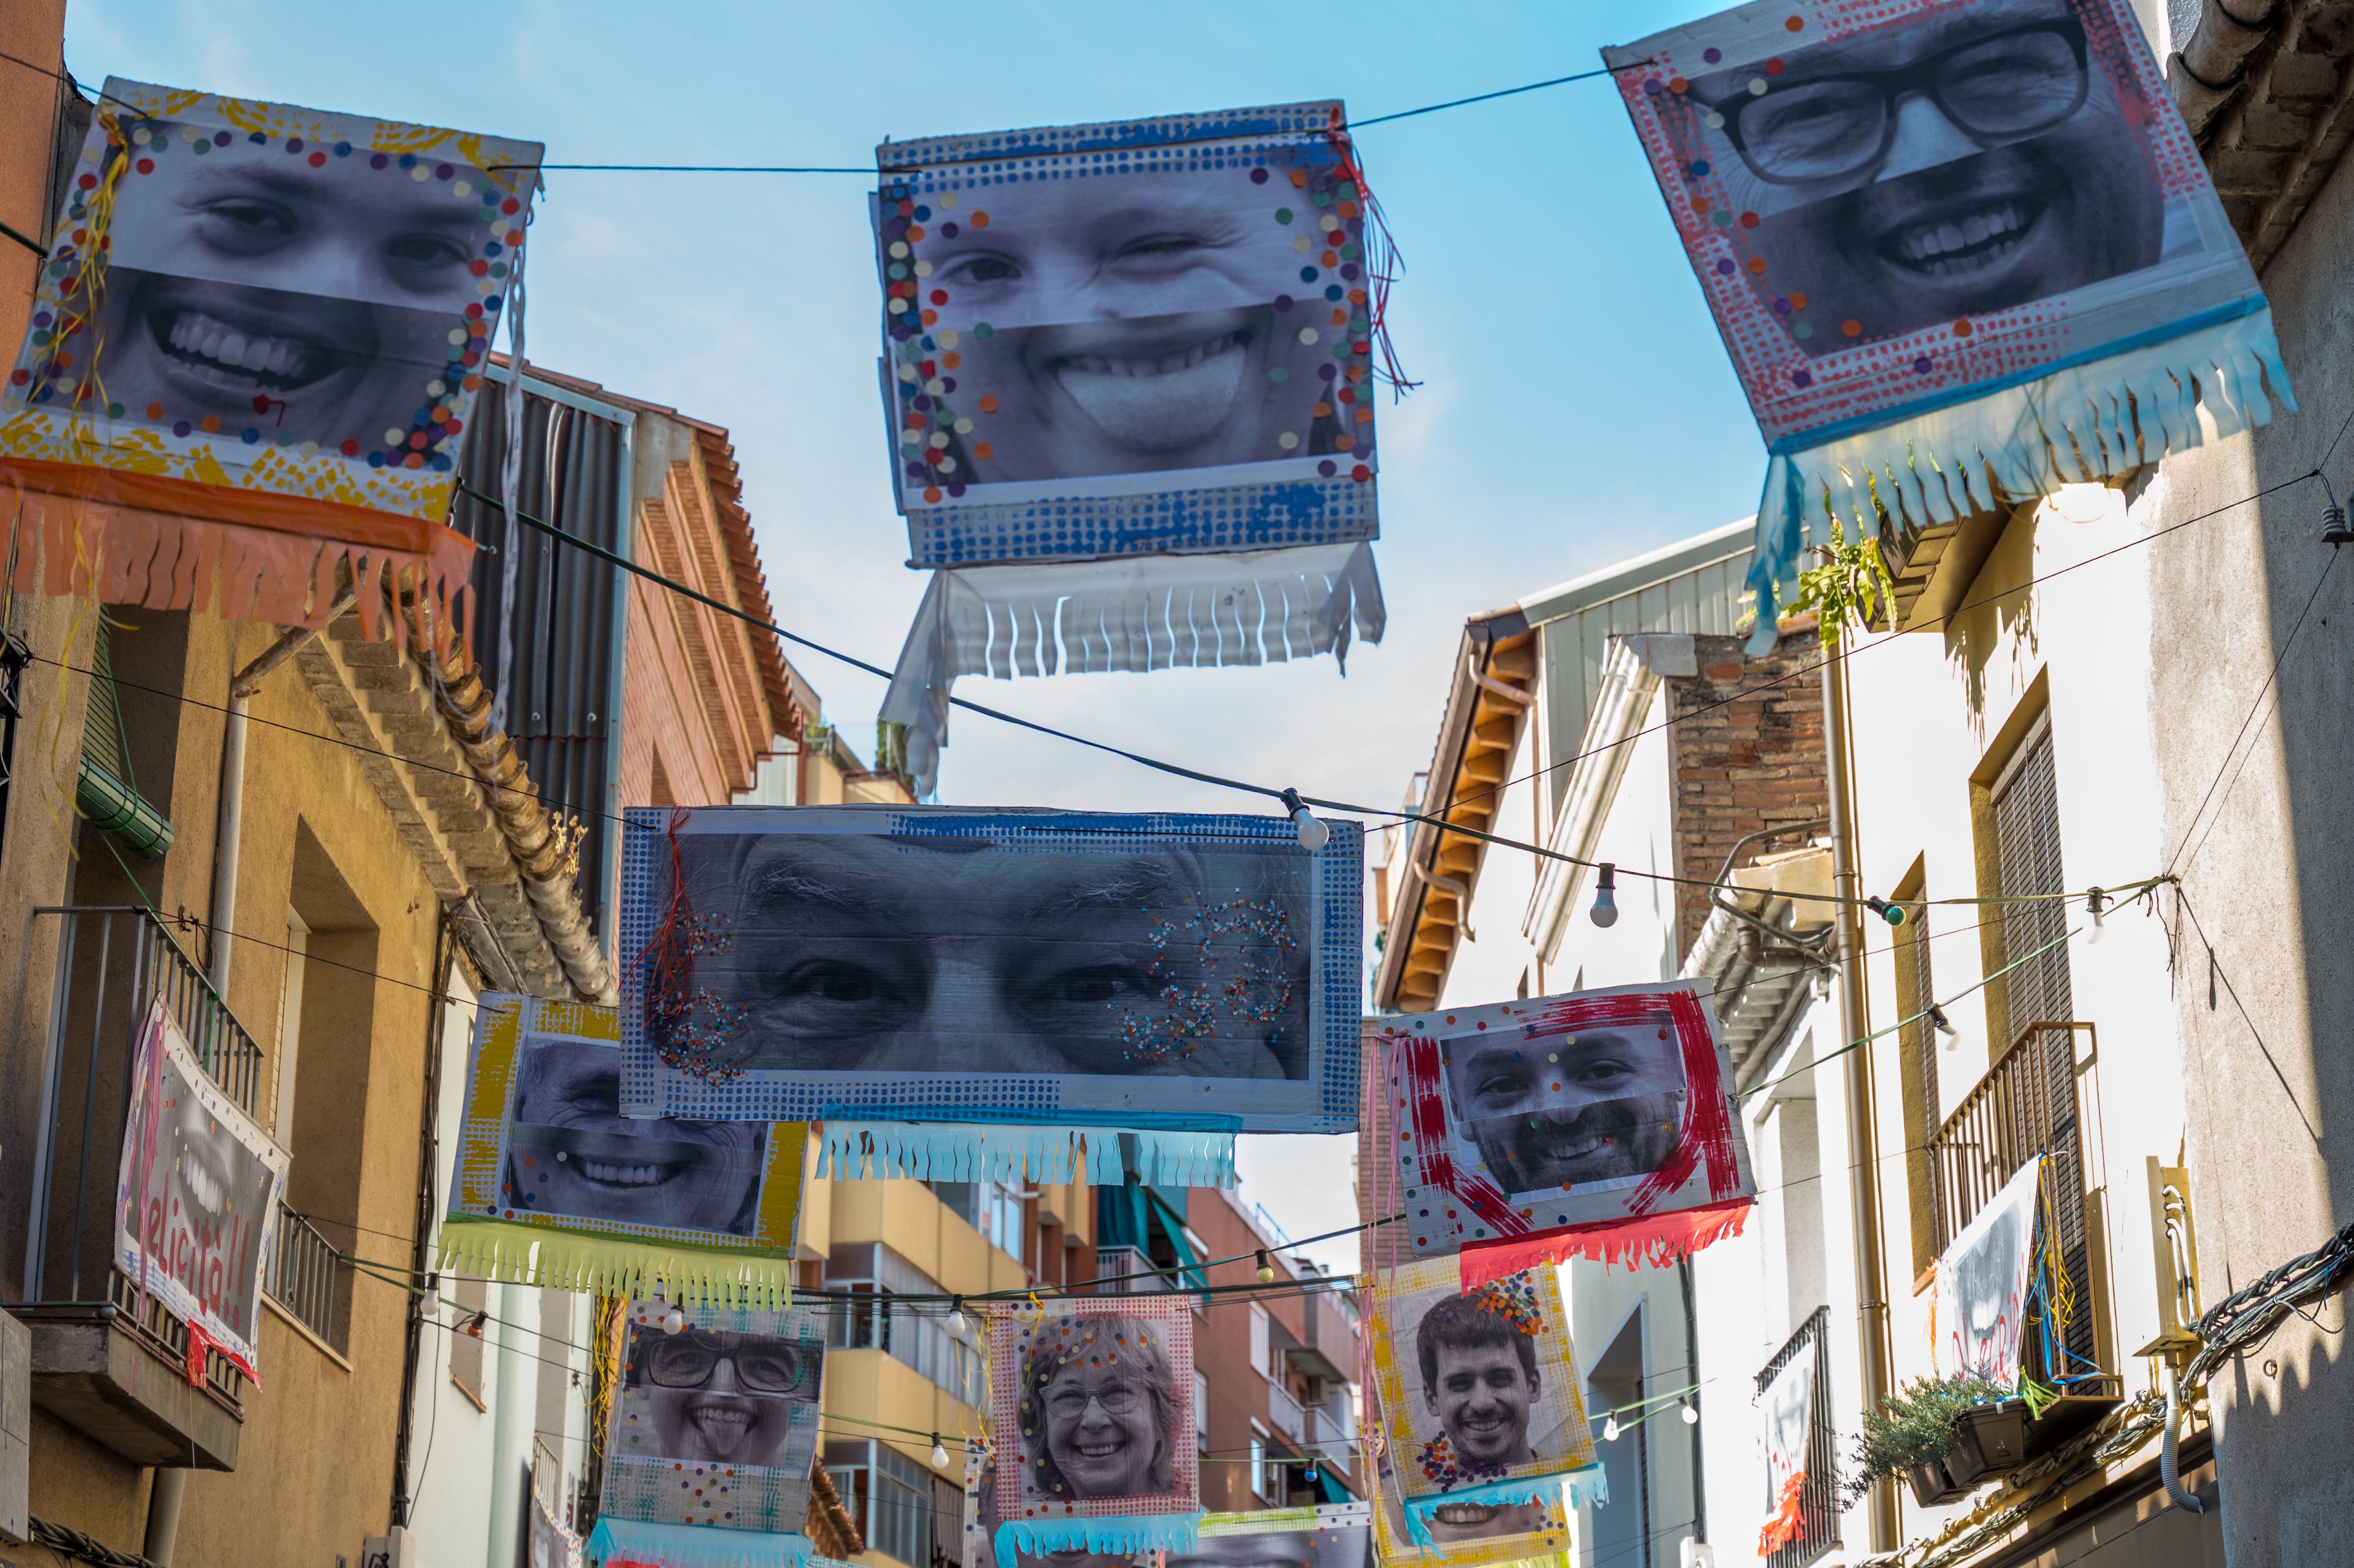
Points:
(1851, 584)
(1915, 1427)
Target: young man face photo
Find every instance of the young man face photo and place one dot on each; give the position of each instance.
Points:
(717, 1396)
(1479, 1380)
(1966, 161)
(854, 952)
(1601, 1104)
(572, 1152)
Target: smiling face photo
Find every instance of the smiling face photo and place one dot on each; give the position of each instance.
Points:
(1603, 1104)
(717, 1396)
(207, 1204)
(861, 952)
(1479, 1380)
(572, 1153)
(1962, 162)
(1099, 1403)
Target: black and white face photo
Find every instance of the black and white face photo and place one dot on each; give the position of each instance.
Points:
(1344, 1547)
(1987, 1284)
(865, 953)
(1974, 159)
(1460, 1520)
(1568, 1111)
(1130, 323)
(207, 1205)
(1790, 1414)
(1098, 1416)
(721, 1397)
(302, 293)
(571, 1151)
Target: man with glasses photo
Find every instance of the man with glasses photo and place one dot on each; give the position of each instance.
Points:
(1967, 161)
(719, 1396)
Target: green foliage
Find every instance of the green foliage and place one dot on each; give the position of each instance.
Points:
(1916, 1426)
(1852, 584)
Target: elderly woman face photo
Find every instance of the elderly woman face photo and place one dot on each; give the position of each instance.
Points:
(1568, 1110)
(1097, 1421)
(858, 952)
(1972, 160)
(253, 288)
(1132, 323)
(571, 1151)
(722, 1397)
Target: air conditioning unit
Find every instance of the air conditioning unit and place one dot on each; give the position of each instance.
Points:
(397, 1550)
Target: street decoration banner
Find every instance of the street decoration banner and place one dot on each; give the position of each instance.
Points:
(196, 1198)
(712, 1438)
(1091, 1399)
(1464, 1533)
(553, 1543)
(251, 354)
(1596, 1124)
(1981, 1306)
(553, 1186)
(1960, 253)
(1480, 1391)
(974, 976)
(1329, 1535)
(1117, 348)
(1789, 1402)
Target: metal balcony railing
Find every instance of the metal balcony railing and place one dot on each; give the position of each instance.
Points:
(305, 1275)
(1283, 1413)
(1113, 1262)
(2025, 1106)
(1329, 1432)
(1819, 1505)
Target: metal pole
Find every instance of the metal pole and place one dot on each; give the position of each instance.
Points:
(1872, 1304)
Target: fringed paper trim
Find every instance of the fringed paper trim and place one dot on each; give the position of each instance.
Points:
(964, 1151)
(2085, 424)
(1585, 1486)
(1126, 1535)
(618, 1541)
(171, 543)
(1651, 1241)
(612, 1266)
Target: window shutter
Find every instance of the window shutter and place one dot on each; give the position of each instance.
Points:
(2027, 840)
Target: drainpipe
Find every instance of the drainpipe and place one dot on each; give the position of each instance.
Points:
(1691, 1375)
(515, 1407)
(1872, 1304)
(163, 1515)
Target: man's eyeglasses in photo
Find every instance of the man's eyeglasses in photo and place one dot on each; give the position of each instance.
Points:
(763, 1365)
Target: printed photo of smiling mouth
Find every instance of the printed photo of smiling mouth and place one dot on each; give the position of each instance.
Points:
(207, 1187)
(1608, 1139)
(1964, 242)
(732, 1429)
(1466, 1515)
(232, 343)
(1155, 384)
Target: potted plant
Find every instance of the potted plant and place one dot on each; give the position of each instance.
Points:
(1916, 1433)
(1989, 1437)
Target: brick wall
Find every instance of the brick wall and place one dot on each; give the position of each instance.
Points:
(1746, 744)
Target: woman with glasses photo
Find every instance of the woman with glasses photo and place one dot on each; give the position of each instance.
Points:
(717, 1396)
(1962, 162)
(1096, 1412)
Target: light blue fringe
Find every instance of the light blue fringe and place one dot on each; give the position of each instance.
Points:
(698, 1546)
(1583, 1486)
(969, 1151)
(1129, 1534)
(2073, 427)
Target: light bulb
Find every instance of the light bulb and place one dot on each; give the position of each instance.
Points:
(1948, 1037)
(1604, 912)
(1311, 1473)
(2097, 903)
(940, 1452)
(1266, 1268)
(431, 1304)
(1691, 1413)
(1313, 835)
(1610, 1430)
(956, 1325)
(673, 1321)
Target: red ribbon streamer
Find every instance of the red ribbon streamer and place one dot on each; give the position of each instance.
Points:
(1647, 1241)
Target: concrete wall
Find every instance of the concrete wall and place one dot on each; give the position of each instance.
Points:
(2267, 869)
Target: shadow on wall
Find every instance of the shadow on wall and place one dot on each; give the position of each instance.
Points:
(2002, 605)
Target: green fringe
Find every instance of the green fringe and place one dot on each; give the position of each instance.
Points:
(612, 1266)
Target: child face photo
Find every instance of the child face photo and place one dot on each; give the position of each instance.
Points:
(1604, 1104)
(572, 1153)
(1129, 324)
(276, 287)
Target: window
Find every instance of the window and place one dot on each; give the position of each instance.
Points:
(888, 1494)
(991, 1208)
(289, 1026)
(1261, 1352)
(1262, 1474)
(1202, 1411)
(915, 1336)
(1917, 1051)
(2024, 801)
(473, 1299)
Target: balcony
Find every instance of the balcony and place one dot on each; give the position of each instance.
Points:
(1331, 1431)
(1123, 1270)
(2025, 1106)
(1329, 1350)
(1284, 1414)
(107, 1358)
(1818, 1499)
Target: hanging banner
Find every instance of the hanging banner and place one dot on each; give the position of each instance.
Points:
(1961, 254)
(1465, 1533)
(1334, 1535)
(1181, 977)
(196, 1199)
(1139, 338)
(553, 1186)
(552, 1545)
(1481, 1392)
(1092, 1401)
(712, 1438)
(1789, 1402)
(252, 351)
(1598, 1124)
(1982, 1281)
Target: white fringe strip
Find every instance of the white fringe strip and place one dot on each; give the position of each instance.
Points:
(960, 1152)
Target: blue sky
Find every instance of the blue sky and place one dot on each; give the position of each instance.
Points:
(1577, 406)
